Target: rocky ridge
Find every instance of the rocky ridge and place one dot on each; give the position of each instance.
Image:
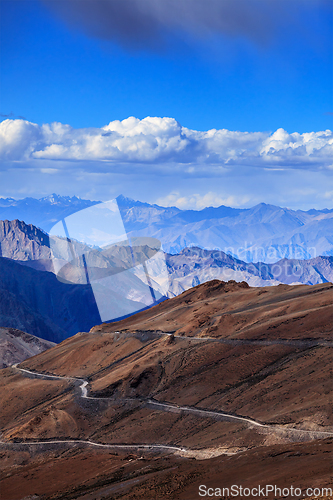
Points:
(16, 346)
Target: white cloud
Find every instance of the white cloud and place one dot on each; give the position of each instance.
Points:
(163, 141)
(198, 202)
(18, 139)
(297, 148)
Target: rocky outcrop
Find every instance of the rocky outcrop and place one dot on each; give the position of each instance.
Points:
(16, 346)
(21, 241)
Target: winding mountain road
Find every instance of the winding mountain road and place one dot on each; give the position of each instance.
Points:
(159, 447)
(260, 342)
(165, 406)
(161, 405)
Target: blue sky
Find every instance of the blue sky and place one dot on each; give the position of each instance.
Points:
(249, 66)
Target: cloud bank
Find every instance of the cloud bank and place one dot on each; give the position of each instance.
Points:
(157, 141)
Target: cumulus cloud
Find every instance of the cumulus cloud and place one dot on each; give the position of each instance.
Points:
(18, 139)
(163, 142)
(146, 23)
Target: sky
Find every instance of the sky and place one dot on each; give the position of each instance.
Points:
(190, 102)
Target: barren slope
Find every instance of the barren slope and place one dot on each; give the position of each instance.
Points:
(234, 310)
(217, 371)
(16, 346)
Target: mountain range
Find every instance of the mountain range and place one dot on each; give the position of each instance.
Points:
(223, 381)
(263, 233)
(193, 266)
(44, 212)
(35, 301)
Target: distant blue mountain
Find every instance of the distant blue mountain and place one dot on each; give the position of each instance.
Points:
(264, 232)
(208, 213)
(43, 213)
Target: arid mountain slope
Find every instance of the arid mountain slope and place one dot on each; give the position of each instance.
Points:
(31, 299)
(235, 310)
(16, 346)
(88, 474)
(223, 370)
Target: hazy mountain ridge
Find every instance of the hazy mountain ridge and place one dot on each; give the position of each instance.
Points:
(29, 246)
(43, 213)
(258, 234)
(35, 301)
(261, 233)
(193, 266)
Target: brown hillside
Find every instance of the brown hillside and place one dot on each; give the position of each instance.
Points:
(234, 310)
(201, 371)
